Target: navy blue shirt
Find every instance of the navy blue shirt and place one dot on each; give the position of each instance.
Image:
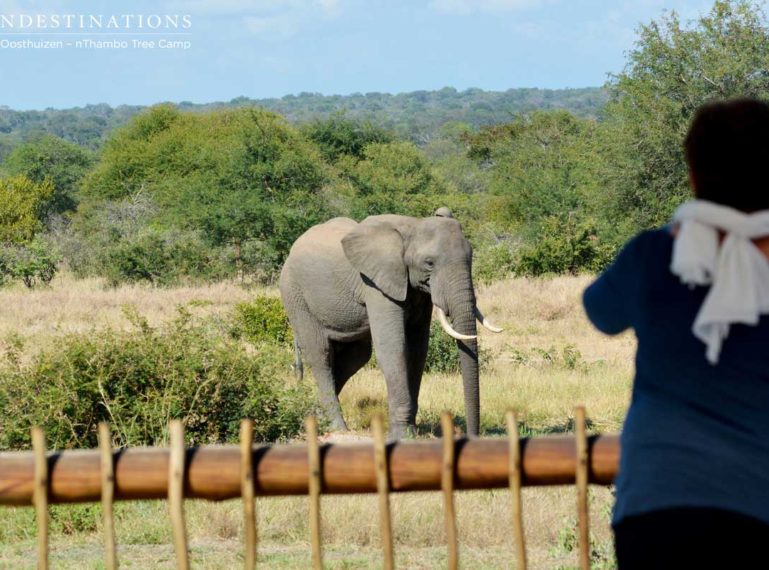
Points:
(696, 434)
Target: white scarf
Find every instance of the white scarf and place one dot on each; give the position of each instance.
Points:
(736, 269)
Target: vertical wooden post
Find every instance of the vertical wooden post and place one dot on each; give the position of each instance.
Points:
(176, 493)
(580, 433)
(314, 483)
(40, 496)
(447, 485)
(514, 470)
(247, 490)
(107, 496)
(383, 488)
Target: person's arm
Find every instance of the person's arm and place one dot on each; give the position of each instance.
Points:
(611, 300)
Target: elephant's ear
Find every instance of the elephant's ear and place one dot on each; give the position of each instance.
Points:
(376, 251)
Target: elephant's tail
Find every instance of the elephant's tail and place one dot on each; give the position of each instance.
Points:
(298, 366)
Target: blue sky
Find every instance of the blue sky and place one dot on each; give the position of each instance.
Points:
(270, 48)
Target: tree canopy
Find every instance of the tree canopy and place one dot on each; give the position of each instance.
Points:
(47, 157)
(673, 69)
(22, 204)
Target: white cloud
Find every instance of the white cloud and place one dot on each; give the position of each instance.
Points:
(473, 6)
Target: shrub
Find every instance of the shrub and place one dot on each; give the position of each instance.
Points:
(140, 379)
(493, 262)
(262, 320)
(442, 351)
(159, 257)
(22, 208)
(564, 247)
(34, 263)
(443, 354)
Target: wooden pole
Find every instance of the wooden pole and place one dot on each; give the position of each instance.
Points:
(314, 484)
(107, 496)
(580, 432)
(383, 488)
(213, 472)
(447, 484)
(515, 489)
(176, 493)
(247, 490)
(41, 482)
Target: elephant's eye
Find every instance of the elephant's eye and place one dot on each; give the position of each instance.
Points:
(429, 263)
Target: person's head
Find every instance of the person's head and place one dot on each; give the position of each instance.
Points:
(727, 150)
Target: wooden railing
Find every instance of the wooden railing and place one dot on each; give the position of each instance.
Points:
(228, 471)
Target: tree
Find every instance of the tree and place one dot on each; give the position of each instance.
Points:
(22, 203)
(544, 169)
(234, 175)
(392, 178)
(541, 164)
(48, 157)
(673, 69)
(339, 136)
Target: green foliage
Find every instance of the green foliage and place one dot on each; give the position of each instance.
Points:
(674, 68)
(449, 157)
(234, 176)
(50, 158)
(443, 354)
(567, 357)
(542, 164)
(495, 261)
(84, 126)
(73, 519)
(339, 136)
(262, 320)
(140, 379)
(393, 178)
(22, 205)
(34, 263)
(564, 246)
(416, 116)
(158, 257)
(545, 170)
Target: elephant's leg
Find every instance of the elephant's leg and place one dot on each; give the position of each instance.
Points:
(349, 357)
(319, 354)
(389, 338)
(417, 341)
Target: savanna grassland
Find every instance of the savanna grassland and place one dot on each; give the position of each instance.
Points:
(546, 361)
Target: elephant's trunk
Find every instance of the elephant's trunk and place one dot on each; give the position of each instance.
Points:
(460, 302)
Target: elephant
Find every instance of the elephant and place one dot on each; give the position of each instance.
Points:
(348, 286)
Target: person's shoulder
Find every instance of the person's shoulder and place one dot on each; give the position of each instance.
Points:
(650, 242)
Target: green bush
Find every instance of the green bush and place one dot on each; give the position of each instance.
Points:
(493, 262)
(442, 351)
(262, 320)
(140, 379)
(443, 354)
(34, 263)
(564, 247)
(159, 257)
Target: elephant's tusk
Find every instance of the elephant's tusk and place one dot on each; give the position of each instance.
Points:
(447, 327)
(486, 322)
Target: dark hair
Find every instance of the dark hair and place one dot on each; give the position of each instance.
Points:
(727, 150)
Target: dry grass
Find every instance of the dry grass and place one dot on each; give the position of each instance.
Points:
(71, 306)
(547, 361)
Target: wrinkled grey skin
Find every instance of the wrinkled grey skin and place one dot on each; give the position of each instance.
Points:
(347, 286)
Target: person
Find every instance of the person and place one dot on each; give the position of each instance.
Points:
(693, 484)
